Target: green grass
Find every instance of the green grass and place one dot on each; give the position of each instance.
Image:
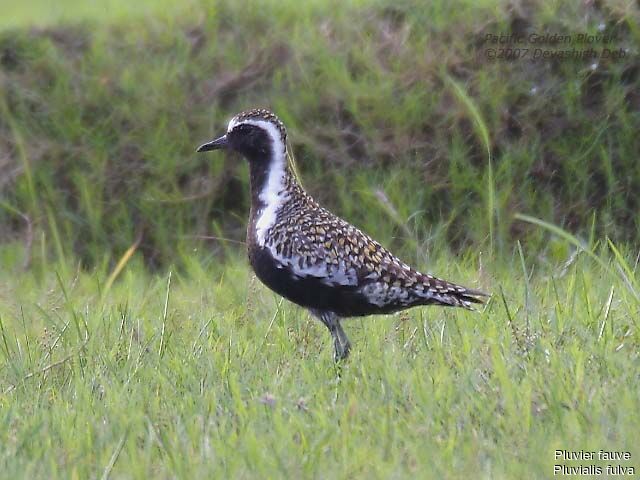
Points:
(209, 375)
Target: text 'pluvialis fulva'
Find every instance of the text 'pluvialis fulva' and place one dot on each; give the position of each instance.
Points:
(313, 258)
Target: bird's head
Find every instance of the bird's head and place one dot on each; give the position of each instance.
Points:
(256, 134)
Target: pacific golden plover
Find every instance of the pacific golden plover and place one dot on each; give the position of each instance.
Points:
(310, 256)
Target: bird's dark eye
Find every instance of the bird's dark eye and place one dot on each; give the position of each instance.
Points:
(244, 128)
(245, 131)
(250, 140)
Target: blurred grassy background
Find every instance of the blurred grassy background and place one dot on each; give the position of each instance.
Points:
(40, 13)
(391, 110)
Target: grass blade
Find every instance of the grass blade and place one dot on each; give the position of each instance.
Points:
(120, 265)
(164, 317)
(114, 457)
(483, 133)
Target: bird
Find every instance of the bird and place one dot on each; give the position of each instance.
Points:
(314, 258)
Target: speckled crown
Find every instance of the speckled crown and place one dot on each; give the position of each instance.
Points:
(263, 114)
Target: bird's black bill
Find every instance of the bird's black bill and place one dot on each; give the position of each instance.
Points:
(217, 144)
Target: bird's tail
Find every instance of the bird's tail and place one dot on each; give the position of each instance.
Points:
(441, 292)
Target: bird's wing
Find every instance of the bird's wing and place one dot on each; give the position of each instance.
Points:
(305, 254)
(320, 245)
(323, 246)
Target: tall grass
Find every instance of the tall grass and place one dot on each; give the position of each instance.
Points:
(205, 373)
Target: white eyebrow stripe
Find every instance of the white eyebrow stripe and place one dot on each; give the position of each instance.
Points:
(270, 128)
(273, 194)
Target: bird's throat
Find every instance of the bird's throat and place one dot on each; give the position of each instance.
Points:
(270, 182)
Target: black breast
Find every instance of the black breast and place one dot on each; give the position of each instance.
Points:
(308, 292)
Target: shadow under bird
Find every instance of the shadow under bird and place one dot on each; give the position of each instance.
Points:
(310, 256)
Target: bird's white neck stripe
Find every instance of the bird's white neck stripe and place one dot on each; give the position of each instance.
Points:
(273, 194)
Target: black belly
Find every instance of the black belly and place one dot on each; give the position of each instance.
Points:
(310, 292)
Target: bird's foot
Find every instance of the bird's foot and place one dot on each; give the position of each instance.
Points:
(342, 346)
(340, 340)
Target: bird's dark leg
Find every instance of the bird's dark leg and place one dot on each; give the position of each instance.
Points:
(340, 340)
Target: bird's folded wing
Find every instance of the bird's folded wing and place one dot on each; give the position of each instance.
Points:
(331, 250)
